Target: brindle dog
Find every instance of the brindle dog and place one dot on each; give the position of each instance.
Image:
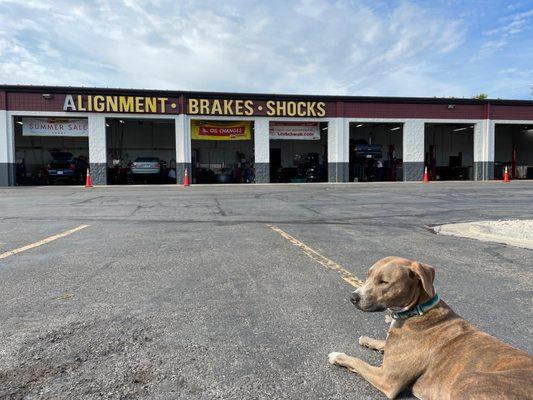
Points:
(439, 353)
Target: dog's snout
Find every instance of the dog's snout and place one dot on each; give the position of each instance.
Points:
(355, 298)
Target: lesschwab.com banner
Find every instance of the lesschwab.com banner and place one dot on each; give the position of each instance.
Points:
(294, 130)
(214, 130)
(57, 127)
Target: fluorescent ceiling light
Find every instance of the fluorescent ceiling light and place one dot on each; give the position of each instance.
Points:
(460, 129)
(121, 121)
(395, 128)
(19, 122)
(106, 124)
(359, 125)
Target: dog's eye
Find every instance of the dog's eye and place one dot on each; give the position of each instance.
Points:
(382, 282)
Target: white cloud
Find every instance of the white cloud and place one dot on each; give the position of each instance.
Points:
(306, 46)
(513, 24)
(503, 35)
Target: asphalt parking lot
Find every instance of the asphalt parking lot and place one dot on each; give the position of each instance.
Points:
(173, 292)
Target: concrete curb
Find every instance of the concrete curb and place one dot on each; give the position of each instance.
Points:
(518, 233)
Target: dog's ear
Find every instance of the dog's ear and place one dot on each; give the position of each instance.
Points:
(426, 273)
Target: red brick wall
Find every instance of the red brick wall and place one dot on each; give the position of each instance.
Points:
(402, 110)
(34, 102)
(511, 112)
(19, 101)
(2, 100)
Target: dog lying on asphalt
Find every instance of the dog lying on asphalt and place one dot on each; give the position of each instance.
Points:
(430, 347)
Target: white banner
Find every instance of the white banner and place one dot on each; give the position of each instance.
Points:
(57, 127)
(294, 130)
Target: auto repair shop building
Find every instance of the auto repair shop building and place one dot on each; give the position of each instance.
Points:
(236, 137)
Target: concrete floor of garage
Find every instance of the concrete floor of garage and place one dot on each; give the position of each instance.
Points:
(176, 292)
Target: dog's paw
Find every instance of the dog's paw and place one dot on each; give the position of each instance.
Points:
(332, 357)
(363, 341)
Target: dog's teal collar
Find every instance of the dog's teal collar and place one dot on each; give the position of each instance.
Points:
(418, 310)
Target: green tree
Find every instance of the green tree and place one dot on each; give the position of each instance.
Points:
(481, 96)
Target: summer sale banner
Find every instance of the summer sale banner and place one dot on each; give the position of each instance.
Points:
(55, 127)
(211, 130)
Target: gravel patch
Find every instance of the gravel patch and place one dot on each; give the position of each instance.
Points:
(111, 358)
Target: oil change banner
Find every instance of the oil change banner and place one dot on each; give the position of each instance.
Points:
(294, 130)
(215, 130)
(57, 127)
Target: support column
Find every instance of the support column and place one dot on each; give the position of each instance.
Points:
(7, 152)
(484, 141)
(183, 147)
(413, 150)
(338, 150)
(262, 150)
(98, 149)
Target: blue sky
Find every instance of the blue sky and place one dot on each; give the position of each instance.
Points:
(383, 48)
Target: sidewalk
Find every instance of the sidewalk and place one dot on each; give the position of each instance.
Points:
(516, 232)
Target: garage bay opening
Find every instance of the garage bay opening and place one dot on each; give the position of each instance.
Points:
(298, 152)
(514, 150)
(222, 151)
(449, 151)
(51, 151)
(376, 152)
(141, 151)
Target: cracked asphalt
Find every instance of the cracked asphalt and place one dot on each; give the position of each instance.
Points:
(186, 293)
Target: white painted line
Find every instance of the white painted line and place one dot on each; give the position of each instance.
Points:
(346, 275)
(41, 242)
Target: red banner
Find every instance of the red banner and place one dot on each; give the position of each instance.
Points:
(220, 131)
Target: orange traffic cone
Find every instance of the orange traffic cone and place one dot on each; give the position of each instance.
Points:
(426, 176)
(88, 180)
(506, 175)
(186, 178)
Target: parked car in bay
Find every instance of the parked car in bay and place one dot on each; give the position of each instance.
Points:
(145, 168)
(362, 149)
(65, 168)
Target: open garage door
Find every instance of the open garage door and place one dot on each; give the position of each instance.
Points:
(376, 152)
(141, 151)
(222, 151)
(514, 150)
(51, 151)
(298, 152)
(449, 151)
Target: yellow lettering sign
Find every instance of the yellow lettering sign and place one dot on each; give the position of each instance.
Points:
(249, 106)
(321, 107)
(193, 106)
(125, 104)
(217, 108)
(139, 104)
(162, 103)
(223, 107)
(204, 106)
(99, 103)
(80, 104)
(270, 108)
(228, 104)
(113, 104)
(150, 105)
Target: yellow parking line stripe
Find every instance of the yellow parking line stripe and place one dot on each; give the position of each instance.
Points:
(319, 258)
(41, 242)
